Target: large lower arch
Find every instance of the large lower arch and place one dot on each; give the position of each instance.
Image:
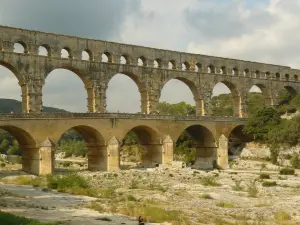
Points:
(237, 140)
(265, 93)
(22, 84)
(144, 98)
(202, 140)
(87, 85)
(237, 101)
(150, 144)
(196, 95)
(30, 149)
(95, 146)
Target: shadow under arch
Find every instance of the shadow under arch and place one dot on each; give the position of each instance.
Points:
(88, 84)
(95, 145)
(201, 139)
(293, 92)
(236, 98)
(145, 108)
(237, 141)
(22, 84)
(193, 88)
(29, 147)
(150, 145)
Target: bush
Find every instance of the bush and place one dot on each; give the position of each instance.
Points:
(237, 186)
(252, 189)
(10, 219)
(295, 161)
(264, 176)
(210, 181)
(287, 171)
(62, 183)
(206, 196)
(282, 216)
(269, 184)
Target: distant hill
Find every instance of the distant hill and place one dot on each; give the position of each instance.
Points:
(8, 105)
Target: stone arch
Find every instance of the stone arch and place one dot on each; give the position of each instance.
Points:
(125, 59)
(223, 70)
(291, 90)
(142, 61)
(66, 53)
(46, 48)
(87, 55)
(236, 98)
(107, 57)
(193, 88)
(186, 66)
(265, 93)
(203, 140)
(30, 154)
(95, 145)
(211, 68)
(235, 71)
(23, 44)
(237, 140)
(22, 83)
(198, 67)
(151, 143)
(296, 77)
(157, 63)
(88, 85)
(172, 65)
(141, 87)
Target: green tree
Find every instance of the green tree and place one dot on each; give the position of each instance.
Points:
(4, 146)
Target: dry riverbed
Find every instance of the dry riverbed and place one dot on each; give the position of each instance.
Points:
(190, 196)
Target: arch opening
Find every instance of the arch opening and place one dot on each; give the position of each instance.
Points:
(84, 144)
(185, 66)
(211, 69)
(20, 147)
(66, 53)
(257, 74)
(226, 100)
(287, 77)
(157, 63)
(59, 94)
(198, 67)
(186, 102)
(86, 55)
(142, 61)
(223, 70)
(296, 77)
(172, 65)
(43, 51)
(126, 94)
(277, 76)
(124, 59)
(141, 147)
(20, 47)
(246, 73)
(106, 57)
(13, 94)
(196, 146)
(257, 99)
(235, 72)
(237, 141)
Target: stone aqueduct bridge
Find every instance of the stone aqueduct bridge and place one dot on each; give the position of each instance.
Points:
(37, 135)
(149, 68)
(37, 132)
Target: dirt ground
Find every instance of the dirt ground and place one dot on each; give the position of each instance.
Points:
(233, 196)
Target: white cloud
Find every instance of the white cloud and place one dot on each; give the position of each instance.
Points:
(256, 30)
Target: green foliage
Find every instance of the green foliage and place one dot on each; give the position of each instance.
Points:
(77, 148)
(10, 219)
(222, 105)
(296, 102)
(264, 176)
(252, 189)
(65, 182)
(287, 171)
(295, 161)
(269, 184)
(261, 123)
(210, 181)
(180, 108)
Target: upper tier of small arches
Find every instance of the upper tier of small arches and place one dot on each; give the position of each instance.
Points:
(73, 48)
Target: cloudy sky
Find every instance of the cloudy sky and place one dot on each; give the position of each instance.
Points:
(257, 30)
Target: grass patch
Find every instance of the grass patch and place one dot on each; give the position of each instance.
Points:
(10, 219)
(237, 186)
(206, 196)
(262, 204)
(287, 171)
(224, 204)
(264, 176)
(210, 181)
(269, 184)
(282, 216)
(252, 189)
(152, 213)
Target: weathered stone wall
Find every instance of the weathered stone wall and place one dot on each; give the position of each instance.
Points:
(157, 66)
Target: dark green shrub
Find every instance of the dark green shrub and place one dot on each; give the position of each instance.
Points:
(287, 171)
(295, 161)
(269, 184)
(62, 183)
(264, 176)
